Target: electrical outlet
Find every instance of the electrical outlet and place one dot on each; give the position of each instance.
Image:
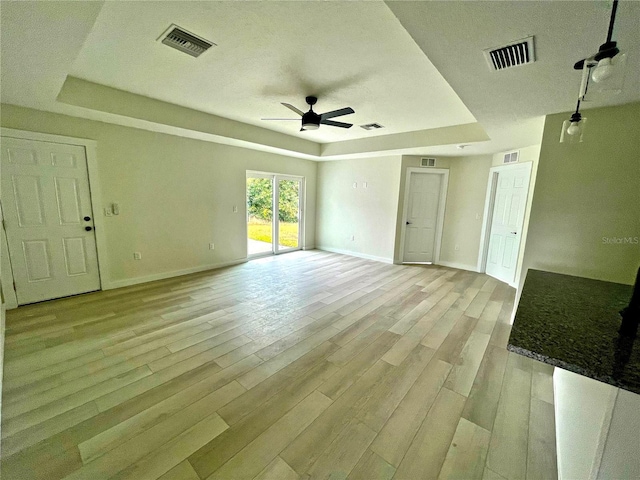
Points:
(137, 256)
(235, 209)
(355, 184)
(108, 212)
(211, 246)
(477, 216)
(353, 237)
(457, 247)
(364, 184)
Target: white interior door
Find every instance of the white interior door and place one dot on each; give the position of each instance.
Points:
(511, 191)
(48, 219)
(421, 219)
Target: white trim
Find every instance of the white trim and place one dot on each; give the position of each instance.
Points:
(90, 147)
(175, 273)
(2, 330)
(488, 214)
(355, 254)
(459, 266)
(441, 207)
(275, 225)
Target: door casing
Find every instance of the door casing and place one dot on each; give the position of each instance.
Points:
(90, 147)
(441, 207)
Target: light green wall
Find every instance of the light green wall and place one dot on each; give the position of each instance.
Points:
(176, 195)
(367, 214)
(586, 193)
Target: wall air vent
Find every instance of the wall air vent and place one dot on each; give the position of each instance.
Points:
(186, 42)
(371, 126)
(511, 157)
(427, 162)
(514, 54)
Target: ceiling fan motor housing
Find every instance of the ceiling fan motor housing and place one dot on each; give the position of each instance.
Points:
(310, 120)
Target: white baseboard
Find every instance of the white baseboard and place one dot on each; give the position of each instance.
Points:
(459, 266)
(161, 276)
(356, 254)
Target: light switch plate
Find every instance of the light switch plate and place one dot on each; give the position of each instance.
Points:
(108, 212)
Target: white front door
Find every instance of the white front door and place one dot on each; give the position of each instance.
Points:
(48, 219)
(512, 186)
(421, 219)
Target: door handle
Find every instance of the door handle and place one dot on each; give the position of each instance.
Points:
(514, 233)
(86, 219)
(88, 229)
(408, 223)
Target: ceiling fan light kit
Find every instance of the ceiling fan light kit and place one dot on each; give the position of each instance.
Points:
(602, 75)
(312, 120)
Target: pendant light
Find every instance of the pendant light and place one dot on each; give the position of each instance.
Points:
(603, 72)
(573, 129)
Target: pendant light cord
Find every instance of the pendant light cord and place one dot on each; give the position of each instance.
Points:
(612, 20)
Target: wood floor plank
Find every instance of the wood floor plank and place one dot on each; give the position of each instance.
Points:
(175, 451)
(252, 459)
(277, 470)
(482, 404)
(182, 471)
(509, 437)
(343, 454)
(394, 439)
(429, 447)
(464, 371)
(372, 466)
(214, 454)
(308, 447)
(305, 365)
(466, 457)
(541, 453)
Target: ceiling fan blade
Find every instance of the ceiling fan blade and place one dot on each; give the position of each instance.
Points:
(296, 119)
(291, 107)
(337, 113)
(336, 124)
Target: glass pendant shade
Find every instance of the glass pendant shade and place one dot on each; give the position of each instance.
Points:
(573, 130)
(603, 79)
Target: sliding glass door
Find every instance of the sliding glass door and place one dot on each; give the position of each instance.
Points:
(274, 213)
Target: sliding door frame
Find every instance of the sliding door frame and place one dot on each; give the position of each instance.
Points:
(275, 214)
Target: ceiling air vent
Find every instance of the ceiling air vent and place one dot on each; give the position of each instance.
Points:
(514, 54)
(371, 126)
(184, 41)
(427, 162)
(511, 157)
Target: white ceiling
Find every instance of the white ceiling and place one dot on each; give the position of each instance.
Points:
(347, 53)
(415, 67)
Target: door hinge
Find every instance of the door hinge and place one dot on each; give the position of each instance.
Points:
(14, 286)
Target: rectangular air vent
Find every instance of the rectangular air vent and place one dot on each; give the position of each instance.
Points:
(427, 162)
(371, 126)
(514, 54)
(511, 157)
(186, 42)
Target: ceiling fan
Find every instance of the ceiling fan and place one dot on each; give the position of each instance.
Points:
(312, 120)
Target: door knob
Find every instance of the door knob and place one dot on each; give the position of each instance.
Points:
(88, 229)
(514, 233)
(408, 223)
(86, 219)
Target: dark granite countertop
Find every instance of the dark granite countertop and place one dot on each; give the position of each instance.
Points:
(572, 323)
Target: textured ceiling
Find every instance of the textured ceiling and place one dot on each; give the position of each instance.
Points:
(415, 67)
(347, 53)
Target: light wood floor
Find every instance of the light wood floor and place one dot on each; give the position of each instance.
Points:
(306, 365)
